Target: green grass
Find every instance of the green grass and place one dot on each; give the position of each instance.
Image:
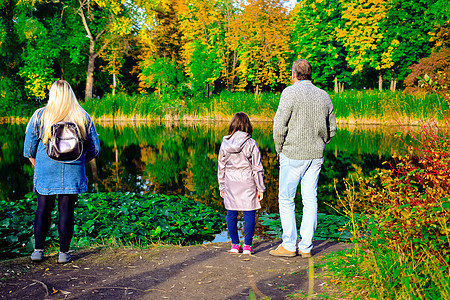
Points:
(354, 106)
(367, 106)
(386, 105)
(383, 274)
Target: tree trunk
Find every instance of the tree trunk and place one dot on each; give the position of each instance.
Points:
(227, 60)
(93, 164)
(380, 81)
(393, 81)
(90, 71)
(92, 54)
(257, 90)
(336, 85)
(341, 87)
(233, 74)
(114, 84)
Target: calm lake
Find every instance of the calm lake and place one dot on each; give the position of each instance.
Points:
(182, 159)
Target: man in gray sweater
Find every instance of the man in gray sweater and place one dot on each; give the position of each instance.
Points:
(303, 125)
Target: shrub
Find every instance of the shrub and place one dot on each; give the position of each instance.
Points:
(437, 66)
(403, 230)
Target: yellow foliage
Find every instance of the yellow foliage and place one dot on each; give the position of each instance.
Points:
(121, 26)
(113, 5)
(37, 85)
(262, 35)
(361, 33)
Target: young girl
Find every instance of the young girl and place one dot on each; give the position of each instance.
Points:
(240, 174)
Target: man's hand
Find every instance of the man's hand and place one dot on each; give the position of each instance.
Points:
(259, 196)
(222, 194)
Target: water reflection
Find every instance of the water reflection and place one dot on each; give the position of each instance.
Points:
(169, 159)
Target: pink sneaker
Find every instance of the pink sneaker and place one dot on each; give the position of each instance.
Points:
(247, 250)
(235, 248)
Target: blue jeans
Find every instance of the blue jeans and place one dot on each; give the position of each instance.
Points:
(249, 226)
(291, 173)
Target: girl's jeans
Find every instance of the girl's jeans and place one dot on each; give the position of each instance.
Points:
(249, 226)
(291, 173)
(42, 221)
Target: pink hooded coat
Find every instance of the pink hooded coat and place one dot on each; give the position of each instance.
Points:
(240, 172)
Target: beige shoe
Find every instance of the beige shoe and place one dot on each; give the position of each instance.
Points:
(304, 255)
(280, 251)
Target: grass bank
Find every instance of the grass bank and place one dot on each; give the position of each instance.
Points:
(364, 107)
(351, 107)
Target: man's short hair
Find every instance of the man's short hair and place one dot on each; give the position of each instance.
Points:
(302, 69)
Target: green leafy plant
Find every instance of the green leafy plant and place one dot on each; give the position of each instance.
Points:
(328, 226)
(125, 217)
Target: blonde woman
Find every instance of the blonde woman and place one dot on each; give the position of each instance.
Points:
(52, 177)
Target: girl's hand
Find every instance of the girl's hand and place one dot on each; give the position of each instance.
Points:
(32, 160)
(222, 194)
(259, 196)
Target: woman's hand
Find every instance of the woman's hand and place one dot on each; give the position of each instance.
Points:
(32, 160)
(259, 196)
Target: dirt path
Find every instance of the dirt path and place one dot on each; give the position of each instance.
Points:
(196, 272)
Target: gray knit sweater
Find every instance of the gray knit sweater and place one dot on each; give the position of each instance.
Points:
(304, 122)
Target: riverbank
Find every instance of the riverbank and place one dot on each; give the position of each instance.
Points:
(365, 107)
(194, 120)
(173, 272)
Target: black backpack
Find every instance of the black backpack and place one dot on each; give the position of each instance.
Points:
(65, 144)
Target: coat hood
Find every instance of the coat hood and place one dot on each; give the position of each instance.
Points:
(236, 142)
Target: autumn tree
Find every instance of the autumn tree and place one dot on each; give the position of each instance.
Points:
(160, 42)
(229, 50)
(202, 41)
(120, 38)
(261, 36)
(361, 33)
(314, 38)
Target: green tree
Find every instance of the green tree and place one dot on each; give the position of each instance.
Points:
(204, 69)
(165, 76)
(314, 38)
(10, 58)
(97, 18)
(407, 27)
(43, 38)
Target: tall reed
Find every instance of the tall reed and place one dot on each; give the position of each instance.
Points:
(386, 105)
(352, 106)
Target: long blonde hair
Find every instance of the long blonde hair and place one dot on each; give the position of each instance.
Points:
(62, 106)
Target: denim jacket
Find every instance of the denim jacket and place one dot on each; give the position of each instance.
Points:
(52, 177)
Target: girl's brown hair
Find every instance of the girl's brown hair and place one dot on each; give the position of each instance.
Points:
(240, 122)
